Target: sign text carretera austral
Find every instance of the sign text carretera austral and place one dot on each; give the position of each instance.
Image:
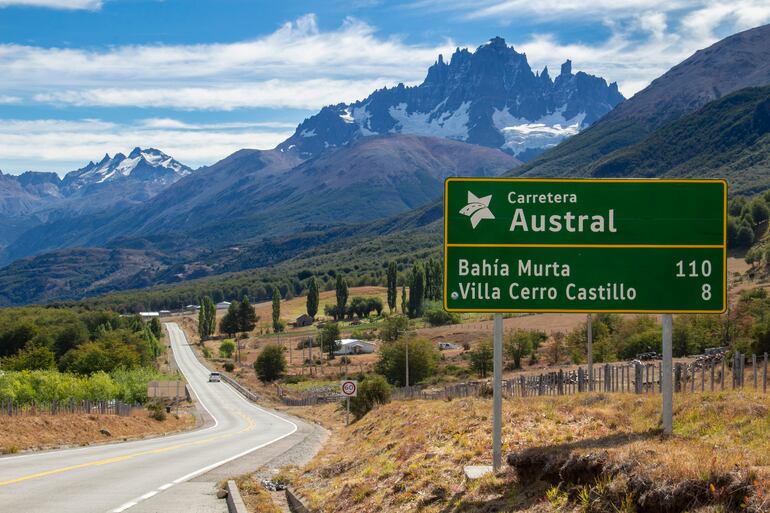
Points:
(534, 245)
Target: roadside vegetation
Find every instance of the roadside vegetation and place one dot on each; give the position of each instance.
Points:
(593, 452)
(57, 354)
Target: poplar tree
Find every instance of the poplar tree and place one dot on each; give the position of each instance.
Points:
(312, 298)
(202, 320)
(403, 299)
(276, 309)
(342, 296)
(416, 291)
(392, 286)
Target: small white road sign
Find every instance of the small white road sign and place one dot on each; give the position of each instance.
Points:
(349, 388)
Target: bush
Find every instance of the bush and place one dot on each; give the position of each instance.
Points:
(157, 410)
(33, 358)
(229, 366)
(227, 348)
(435, 315)
(271, 363)
(482, 358)
(423, 359)
(394, 327)
(372, 391)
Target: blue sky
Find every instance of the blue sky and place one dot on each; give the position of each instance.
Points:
(201, 79)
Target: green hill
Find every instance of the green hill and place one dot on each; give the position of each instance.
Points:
(728, 138)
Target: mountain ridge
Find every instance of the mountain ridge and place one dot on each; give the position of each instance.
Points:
(490, 97)
(733, 63)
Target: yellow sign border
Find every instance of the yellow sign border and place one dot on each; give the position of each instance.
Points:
(590, 180)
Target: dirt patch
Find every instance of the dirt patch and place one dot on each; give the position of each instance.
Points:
(50, 431)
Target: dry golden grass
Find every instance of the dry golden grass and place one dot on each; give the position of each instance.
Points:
(409, 456)
(48, 431)
(255, 496)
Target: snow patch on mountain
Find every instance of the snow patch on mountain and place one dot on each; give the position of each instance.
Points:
(149, 165)
(457, 100)
(521, 134)
(449, 124)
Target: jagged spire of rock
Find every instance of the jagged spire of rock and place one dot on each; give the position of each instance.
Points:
(481, 97)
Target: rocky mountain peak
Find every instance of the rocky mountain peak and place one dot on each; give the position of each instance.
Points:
(489, 97)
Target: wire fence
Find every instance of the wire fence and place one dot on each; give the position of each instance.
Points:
(10, 408)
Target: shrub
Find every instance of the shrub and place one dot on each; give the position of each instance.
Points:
(372, 391)
(482, 358)
(394, 327)
(435, 315)
(229, 366)
(33, 358)
(423, 359)
(227, 348)
(157, 410)
(271, 363)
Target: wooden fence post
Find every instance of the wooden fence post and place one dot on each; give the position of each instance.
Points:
(754, 369)
(722, 376)
(678, 377)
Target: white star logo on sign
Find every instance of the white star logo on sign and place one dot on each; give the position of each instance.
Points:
(477, 209)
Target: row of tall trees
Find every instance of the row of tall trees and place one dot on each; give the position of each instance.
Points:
(426, 282)
(207, 318)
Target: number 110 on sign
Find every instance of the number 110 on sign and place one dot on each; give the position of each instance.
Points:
(696, 269)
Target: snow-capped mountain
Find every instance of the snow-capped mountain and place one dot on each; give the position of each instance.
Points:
(489, 97)
(148, 165)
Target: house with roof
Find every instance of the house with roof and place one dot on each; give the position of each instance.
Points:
(353, 346)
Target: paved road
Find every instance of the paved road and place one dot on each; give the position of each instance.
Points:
(117, 477)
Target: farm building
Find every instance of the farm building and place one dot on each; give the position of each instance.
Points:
(303, 320)
(354, 346)
(223, 305)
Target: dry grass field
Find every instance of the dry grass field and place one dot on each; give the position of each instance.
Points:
(49, 431)
(586, 453)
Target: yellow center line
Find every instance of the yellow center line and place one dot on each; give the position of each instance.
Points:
(251, 424)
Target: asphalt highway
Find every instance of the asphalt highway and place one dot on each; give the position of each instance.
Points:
(116, 477)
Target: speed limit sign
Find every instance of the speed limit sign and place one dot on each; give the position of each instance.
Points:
(349, 388)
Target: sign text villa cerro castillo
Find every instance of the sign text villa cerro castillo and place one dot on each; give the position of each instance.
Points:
(534, 245)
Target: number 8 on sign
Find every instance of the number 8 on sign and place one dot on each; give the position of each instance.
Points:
(349, 388)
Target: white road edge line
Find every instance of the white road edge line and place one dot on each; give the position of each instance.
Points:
(124, 507)
(165, 486)
(212, 466)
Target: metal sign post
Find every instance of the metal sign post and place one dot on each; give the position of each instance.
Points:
(590, 351)
(666, 385)
(558, 245)
(497, 416)
(349, 388)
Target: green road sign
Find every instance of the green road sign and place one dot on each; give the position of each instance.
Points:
(537, 245)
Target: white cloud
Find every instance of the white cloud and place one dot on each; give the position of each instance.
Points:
(55, 4)
(63, 145)
(296, 66)
(648, 37)
(508, 10)
(300, 94)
